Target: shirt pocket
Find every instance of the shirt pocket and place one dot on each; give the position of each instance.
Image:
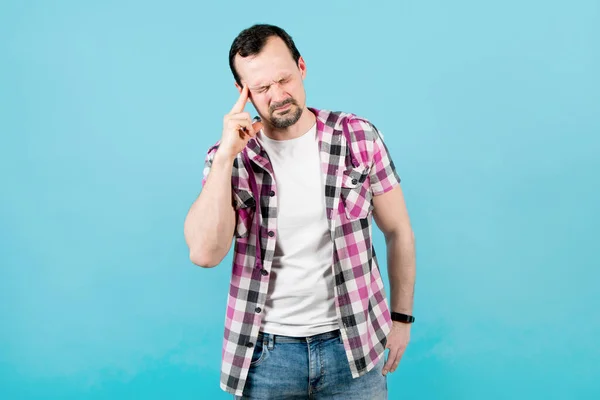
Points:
(245, 206)
(356, 193)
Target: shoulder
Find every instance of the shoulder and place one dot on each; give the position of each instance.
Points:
(360, 128)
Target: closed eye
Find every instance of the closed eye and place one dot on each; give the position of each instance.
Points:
(260, 89)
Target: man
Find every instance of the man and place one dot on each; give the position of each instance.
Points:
(307, 315)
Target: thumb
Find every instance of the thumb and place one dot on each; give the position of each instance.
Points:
(257, 126)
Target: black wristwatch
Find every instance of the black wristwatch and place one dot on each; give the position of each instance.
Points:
(409, 319)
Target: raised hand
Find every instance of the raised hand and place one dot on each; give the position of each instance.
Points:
(238, 128)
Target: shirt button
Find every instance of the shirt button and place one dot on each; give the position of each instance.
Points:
(271, 193)
(271, 233)
(257, 310)
(249, 344)
(264, 272)
(354, 181)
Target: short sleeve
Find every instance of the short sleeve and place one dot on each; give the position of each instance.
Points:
(208, 160)
(383, 174)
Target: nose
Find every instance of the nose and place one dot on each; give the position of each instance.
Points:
(278, 94)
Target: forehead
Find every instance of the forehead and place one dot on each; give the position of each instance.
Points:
(273, 62)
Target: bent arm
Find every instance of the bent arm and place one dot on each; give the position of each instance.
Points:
(210, 222)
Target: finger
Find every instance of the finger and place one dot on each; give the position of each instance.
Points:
(257, 126)
(238, 120)
(399, 355)
(244, 127)
(241, 102)
(390, 361)
(240, 115)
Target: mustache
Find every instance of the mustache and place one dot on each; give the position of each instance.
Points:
(282, 103)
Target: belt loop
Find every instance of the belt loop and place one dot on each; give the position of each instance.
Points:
(270, 341)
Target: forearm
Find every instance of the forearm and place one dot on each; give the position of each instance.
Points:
(401, 270)
(210, 222)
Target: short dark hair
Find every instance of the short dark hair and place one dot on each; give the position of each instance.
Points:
(251, 41)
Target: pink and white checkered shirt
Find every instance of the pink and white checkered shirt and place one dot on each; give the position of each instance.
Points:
(356, 166)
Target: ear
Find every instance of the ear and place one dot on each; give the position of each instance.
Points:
(239, 88)
(302, 67)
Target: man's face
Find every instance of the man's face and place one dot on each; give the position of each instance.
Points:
(275, 82)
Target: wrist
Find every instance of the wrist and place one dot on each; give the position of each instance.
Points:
(222, 158)
(402, 317)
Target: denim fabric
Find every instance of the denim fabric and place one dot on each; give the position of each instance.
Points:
(315, 367)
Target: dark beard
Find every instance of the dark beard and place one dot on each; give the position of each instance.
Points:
(290, 116)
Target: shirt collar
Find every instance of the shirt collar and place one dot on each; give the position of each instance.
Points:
(258, 154)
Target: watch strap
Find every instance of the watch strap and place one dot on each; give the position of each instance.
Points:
(400, 317)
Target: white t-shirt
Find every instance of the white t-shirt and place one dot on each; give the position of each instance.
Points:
(300, 299)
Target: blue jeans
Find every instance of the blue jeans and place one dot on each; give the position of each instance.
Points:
(314, 367)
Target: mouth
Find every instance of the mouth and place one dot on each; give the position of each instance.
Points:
(284, 107)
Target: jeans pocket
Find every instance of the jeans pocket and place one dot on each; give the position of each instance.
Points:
(259, 354)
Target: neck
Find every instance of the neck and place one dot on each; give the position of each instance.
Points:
(306, 121)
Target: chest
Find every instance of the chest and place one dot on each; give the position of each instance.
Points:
(299, 181)
(331, 180)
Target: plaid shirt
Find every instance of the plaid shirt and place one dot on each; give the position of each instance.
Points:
(356, 166)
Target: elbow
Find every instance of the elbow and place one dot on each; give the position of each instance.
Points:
(203, 260)
(200, 254)
(205, 253)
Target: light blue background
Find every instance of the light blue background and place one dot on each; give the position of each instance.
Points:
(490, 110)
